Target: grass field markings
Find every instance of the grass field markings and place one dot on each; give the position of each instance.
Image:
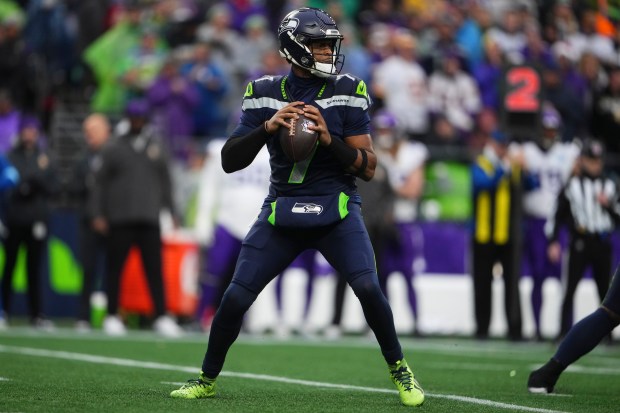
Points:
(605, 371)
(441, 345)
(4, 379)
(458, 347)
(469, 366)
(65, 355)
(554, 394)
(496, 404)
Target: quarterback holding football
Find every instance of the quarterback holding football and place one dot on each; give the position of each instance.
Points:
(317, 172)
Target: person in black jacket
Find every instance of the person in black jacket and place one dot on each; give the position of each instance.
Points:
(132, 186)
(27, 216)
(9, 178)
(91, 242)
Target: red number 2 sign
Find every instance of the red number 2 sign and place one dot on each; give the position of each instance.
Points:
(523, 87)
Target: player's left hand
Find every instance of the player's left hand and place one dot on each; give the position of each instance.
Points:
(312, 112)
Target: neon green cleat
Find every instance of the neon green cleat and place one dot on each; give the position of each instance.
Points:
(411, 394)
(199, 388)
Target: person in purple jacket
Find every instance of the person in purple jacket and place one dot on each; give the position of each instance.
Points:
(173, 98)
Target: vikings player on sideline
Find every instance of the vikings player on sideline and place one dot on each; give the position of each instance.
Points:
(310, 40)
(551, 162)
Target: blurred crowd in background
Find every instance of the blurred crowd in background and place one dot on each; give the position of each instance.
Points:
(433, 68)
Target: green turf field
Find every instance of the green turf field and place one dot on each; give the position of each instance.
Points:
(66, 372)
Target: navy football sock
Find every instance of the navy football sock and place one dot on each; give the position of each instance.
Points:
(226, 327)
(378, 315)
(583, 337)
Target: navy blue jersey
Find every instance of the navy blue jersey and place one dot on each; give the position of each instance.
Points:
(342, 100)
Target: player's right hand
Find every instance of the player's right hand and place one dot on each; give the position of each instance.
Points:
(280, 118)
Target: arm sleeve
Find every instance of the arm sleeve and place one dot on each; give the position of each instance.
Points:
(239, 152)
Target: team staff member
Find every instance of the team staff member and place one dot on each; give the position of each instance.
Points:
(9, 178)
(495, 174)
(96, 130)
(132, 186)
(27, 216)
(587, 205)
(309, 39)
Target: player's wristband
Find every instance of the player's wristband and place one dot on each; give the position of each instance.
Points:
(239, 152)
(345, 154)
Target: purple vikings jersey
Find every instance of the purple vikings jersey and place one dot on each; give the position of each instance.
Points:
(343, 101)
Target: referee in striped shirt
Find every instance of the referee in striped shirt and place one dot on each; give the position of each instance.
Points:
(588, 206)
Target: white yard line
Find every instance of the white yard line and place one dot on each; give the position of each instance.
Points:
(89, 358)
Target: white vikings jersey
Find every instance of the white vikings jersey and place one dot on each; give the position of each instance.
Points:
(410, 156)
(553, 168)
(230, 200)
(406, 94)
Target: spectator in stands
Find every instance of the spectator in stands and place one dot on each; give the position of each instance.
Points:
(241, 11)
(587, 39)
(453, 93)
(588, 206)
(358, 59)
(510, 36)
(551, 161)
(468, 35)
(443, 37)
(50, 44)
(105, 55)
(132, 188)
(400, 82)
(272, 64)
(571, 77)
(565, 100)
(9, 122)
(217, 31)
(142, 63)
(27, 216)
(488, 75)
(494, 175)
(596, 79)
(13, 67)
(536, 51)
(212, 82)
(9, 178)
(173, 98)
(605, 122)
(257, 40)
(380, 12)
(96, 129)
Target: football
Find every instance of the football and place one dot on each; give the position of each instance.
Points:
(297, 140)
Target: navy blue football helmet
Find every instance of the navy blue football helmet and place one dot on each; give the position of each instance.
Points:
(299, 29)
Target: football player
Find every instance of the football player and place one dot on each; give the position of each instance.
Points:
(580, 340)
(404, 160)
(551, 162)
(309, 39)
